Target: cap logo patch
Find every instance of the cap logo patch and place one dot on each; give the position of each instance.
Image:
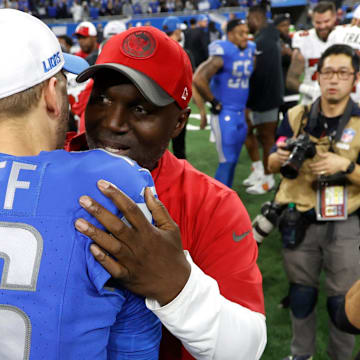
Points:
(139, 44)
(185, 93)
(51, 62)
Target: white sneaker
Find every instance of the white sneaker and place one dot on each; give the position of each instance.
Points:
(253, 178)
(262, 186)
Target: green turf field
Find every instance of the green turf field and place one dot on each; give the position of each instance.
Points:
(202, 154)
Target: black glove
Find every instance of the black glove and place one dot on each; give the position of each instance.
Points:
(216, 106)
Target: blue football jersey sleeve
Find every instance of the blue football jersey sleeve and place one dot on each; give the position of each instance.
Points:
(54, 302)
(131, 332)
(251, 45)
(217, 48)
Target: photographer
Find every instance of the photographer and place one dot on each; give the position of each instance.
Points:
(317, 152)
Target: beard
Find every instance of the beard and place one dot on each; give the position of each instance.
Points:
(333, 101)
(324, 34)
(63, 123)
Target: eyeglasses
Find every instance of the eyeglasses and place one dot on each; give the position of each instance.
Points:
(341, 74)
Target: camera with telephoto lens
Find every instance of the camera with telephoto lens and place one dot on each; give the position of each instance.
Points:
(266, 220)
(301, 148)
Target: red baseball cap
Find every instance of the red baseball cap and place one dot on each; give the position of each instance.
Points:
(85, 28)
(156, 64)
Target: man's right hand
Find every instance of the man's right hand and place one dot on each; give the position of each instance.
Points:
(277, 159)
(281, 153)
(148, 260)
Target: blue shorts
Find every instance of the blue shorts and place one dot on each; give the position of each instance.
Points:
(230, 130)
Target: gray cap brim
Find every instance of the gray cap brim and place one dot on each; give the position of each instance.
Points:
(148, 87)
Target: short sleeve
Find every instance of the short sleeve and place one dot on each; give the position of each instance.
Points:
(297, 40)
(252, 47)
(216, 48)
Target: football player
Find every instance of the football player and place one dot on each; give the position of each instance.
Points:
(308, 47)
(223, 80)
(56, 302)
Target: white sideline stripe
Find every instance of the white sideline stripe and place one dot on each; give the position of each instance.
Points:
(195, 116)
(192, 127)
(195, 127)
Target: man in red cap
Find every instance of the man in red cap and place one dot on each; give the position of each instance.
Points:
(86, 34)
(210, 295)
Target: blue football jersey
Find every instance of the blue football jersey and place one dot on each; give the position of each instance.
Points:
(230, 85)
(54, 302)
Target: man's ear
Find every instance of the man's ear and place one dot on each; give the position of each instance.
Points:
(316, 75)
(51, 97)
(182, 121)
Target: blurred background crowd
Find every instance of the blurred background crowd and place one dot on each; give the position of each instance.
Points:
(81, 10)
(92, 9)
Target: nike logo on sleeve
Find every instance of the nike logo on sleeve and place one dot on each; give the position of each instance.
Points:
(238, 238)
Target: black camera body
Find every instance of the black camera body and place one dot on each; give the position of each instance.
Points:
(301, 148)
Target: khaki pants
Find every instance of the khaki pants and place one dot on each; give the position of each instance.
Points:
(334, 248)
